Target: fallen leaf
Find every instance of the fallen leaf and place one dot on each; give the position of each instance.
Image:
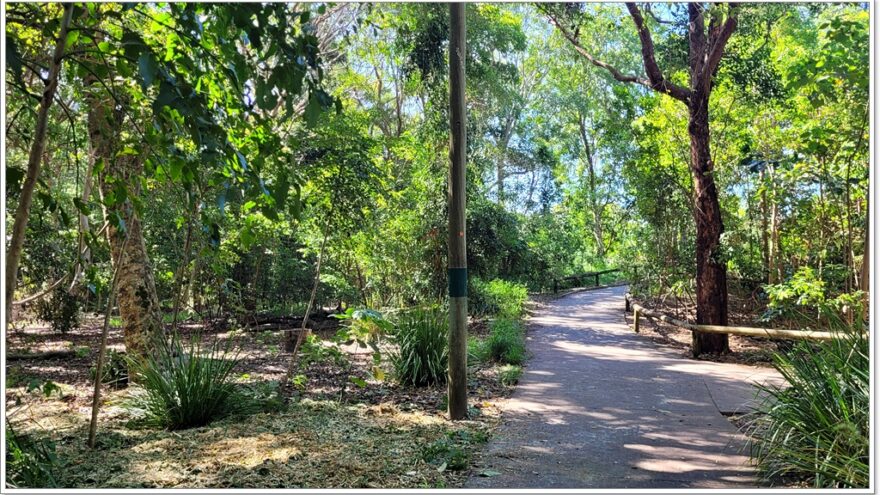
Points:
(489, 473)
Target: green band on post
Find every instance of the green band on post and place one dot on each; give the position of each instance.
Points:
(458, 282)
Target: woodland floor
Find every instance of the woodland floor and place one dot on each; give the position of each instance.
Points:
(374, 436)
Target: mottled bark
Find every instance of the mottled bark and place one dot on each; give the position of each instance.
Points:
(136, 296)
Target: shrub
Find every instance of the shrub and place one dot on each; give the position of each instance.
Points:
(30, 463)
(816, 428)
(422, 352)
(60, 310)
(184, 387)
(506, 343)
(498, 297)
(509, 374)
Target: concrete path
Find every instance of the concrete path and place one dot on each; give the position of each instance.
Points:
(601, 407)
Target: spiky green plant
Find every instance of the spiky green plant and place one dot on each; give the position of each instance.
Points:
(422, 354)
(186, 386)
(815, 427)
(506, 343)
(30, 462)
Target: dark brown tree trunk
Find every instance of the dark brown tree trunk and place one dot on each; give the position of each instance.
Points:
(711, 272)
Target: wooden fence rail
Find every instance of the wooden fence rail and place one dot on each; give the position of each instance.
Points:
(771, 333)
(582, 276)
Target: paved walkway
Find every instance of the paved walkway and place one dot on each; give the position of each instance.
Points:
(601, 407)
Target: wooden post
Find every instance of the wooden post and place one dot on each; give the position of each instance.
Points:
(636, 320)
(597, 279)
(555, 286)
(457, 384)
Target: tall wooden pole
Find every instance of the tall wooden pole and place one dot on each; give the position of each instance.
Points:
(457, 235)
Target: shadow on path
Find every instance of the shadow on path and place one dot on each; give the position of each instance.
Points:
(600, 407)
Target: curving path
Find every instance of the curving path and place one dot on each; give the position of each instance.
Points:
(601, 407)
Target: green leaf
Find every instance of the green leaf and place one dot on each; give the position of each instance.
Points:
(489, 473)
(360, 382)
(147, 69)
(313, 111)
(14, 176)
(72, 38)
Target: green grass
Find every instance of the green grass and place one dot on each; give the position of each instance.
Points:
(506, 342)
(30, 462)
(186, 386)
(422, 354)
(816, 428)
(509, 374)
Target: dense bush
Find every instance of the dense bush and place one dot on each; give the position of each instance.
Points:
(60, 310)
(30, 463)
(817, 427)
(186, 386)
(422, 353)
(497, 298)
(506, 342)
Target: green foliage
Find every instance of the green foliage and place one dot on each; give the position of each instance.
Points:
(497, 298)
(422, 354)
(186, 386)
(30, 462)
(60, 310)
(506, 342)
(816, 427)
(451, 451)
(803, 290)
(509, 374)
(115, 369)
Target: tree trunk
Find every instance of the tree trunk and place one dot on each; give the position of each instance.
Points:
(594, 203)
(136, 293)
(35, 156)
(711, 271)
(775, 275)
(765, 239)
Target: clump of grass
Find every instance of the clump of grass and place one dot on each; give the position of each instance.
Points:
(186, 386)
(422, 354)
(30, 462)
(506, 343)
(509, 374)
(816, 428)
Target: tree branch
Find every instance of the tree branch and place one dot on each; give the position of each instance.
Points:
(716, 50)
(575, 41)
(655, 76)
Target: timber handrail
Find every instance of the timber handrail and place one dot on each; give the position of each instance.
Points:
(581, 276)
(771, 333)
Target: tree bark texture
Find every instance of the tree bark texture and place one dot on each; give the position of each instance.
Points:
(136, 296)
(711, 272)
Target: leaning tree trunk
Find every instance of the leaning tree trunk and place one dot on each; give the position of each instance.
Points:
(711, 271)
(35, 156)
(136, 290)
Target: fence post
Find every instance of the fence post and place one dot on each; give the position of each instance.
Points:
(597, 279)
(636, 320)
(555, 286)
